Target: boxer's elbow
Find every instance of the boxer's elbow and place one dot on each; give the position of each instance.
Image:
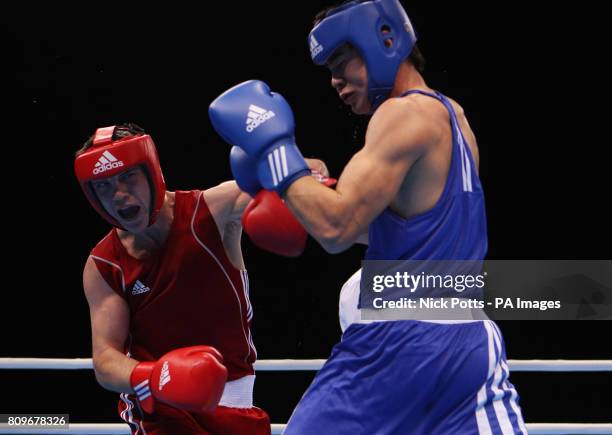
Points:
(338, 229)
(338, 237)
(110, 373)
(104, 382)
(103, 373)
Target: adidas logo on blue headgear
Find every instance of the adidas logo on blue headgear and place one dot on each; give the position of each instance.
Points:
(367, 25)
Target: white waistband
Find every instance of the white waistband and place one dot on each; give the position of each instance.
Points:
(238, 393)
(350, 313)
(419, 320)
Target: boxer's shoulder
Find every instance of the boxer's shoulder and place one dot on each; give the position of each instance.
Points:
(220, 199)
(225, 202)
(95, 285)
(408, 124)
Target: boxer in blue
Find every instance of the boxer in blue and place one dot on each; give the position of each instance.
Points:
(413, 193)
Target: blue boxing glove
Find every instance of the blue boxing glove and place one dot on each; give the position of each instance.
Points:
(244, 171)
(261, 122)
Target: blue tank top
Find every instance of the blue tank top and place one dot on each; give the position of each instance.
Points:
(454, 229)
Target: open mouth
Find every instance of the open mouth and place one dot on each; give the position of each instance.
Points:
(128, 213)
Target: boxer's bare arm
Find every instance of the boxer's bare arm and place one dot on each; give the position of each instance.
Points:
(110, 319)
(227, 202)
(398, 135)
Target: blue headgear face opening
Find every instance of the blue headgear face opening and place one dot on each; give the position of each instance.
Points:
(366, 25)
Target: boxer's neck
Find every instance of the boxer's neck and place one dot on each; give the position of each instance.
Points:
(148, 242)
(407, 78)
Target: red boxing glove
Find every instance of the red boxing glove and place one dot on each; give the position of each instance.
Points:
(190, 378)
(272, 227)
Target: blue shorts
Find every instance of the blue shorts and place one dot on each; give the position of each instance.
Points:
(412, 377)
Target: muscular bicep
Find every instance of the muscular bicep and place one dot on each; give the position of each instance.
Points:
(109, 312)
(339, 218)
(369, 183)
(374, 175)
(397, 137)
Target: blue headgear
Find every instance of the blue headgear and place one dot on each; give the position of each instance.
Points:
(366, 25)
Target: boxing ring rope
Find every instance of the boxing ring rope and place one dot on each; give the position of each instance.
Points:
(532, 365)
(533, 429)
(313, 365)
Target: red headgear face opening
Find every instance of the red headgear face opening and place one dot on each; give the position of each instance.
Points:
(108, 157)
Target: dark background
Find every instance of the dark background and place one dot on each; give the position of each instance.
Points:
(534, 85)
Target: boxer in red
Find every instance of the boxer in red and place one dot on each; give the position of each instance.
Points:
(168, 291)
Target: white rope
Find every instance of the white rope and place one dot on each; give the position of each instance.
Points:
(535, 428)
(46, 363)
(560, 365)
(535, 365)
(283, 365)
(80, 428)
(311, 364)
(532, 428)
(569, 428)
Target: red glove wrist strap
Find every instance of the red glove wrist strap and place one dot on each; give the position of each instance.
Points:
(139, 380)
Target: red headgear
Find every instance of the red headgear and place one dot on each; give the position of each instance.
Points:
(108, 157)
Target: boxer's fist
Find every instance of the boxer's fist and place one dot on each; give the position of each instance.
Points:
(190, 378)
(271, 226)
(260, 122)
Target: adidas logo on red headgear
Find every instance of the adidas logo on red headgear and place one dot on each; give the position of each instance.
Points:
(106, 162)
